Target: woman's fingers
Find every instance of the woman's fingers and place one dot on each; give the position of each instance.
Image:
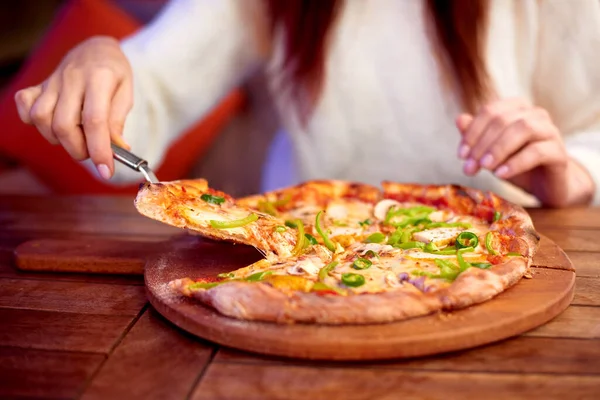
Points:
(99, 90)
(42, 110)
(491, 117)
(533, 155)
(24, 100)
(67, 116)
(121, 105)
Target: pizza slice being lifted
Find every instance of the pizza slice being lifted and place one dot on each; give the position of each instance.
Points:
(352, 253)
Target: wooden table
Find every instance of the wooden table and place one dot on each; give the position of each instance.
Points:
(86, 336)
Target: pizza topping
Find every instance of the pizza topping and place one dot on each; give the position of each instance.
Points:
(419, 283)
(381, 209)
(392, 280)
(323, 272)
(328, 243)
(376, 237)
(466, 239)
(311, 239)
(437, 236)
(279, 229)
(258, 276)
(497, 216)
(361, 263)
(365, 223)
(371, 254)
(374, 247)
(353, 280)
(300, 238)
(209, 198)
(305, 266)
(236, 223)
(488, 244)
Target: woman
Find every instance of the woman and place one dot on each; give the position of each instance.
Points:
(497, 94)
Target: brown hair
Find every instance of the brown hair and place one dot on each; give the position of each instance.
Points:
(459, 27)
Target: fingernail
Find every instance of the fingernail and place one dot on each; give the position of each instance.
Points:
(470, 166)
(487, 161)
(104, 171)
(501, 171)
(463, 151)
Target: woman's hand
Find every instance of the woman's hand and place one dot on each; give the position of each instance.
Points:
(519, 143)
(83, 103)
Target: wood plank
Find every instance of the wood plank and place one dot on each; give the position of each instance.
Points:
(90, 223)
(44, 374)
(579, 322)
(66, 204)
(61, 331)
(574, 239)
(159, 360)
(518, 355)
(587, 292)
(582, 217)
(587, 264)
(74, 297)
(240, 381)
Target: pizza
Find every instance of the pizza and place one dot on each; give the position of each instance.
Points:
(339, 252)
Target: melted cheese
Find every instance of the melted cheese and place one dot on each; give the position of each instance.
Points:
(438, 236)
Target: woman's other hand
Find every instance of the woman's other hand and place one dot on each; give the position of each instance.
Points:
(84, 102)
(519, 142)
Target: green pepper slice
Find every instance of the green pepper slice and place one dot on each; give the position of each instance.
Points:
(462, 264)
(204, 285)
(466, 239)
(279, 228)
(376, 237)
(291, 224)
(488, 244)
(364, 223)
(268, 208)
(238, 223)
(448, 270)
(311, 239)
(321, 287)
(372, 254)
(226, 275)
(497, 216)
(410, 245)
(209, 198)
(353, 280)
(328, 243)
(481, 265)
(258, 276)
(300, 238)
(361, 263)
(323, 272)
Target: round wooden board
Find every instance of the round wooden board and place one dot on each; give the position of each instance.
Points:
(527, 305)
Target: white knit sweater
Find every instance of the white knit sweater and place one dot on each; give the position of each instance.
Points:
(383, 113)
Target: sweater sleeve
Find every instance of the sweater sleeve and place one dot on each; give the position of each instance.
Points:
(184, 61)
(567, 77)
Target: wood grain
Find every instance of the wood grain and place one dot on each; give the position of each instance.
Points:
(85, 256)
(574, 239)
(61, 331)
(68, 204)
(587, 264)
(587, 292)
(295, 382)
(85, 223)
(159, 360)
(583, 217)
(73, 297)
(26, 373)
(579, 322)
(517, 355)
